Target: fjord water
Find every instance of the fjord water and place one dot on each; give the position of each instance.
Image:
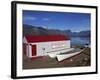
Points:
(80, 40)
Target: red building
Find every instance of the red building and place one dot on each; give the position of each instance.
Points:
(34, 46)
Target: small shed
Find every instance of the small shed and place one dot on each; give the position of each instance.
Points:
(34, 46)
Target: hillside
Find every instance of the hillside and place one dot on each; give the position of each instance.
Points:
(38, 30)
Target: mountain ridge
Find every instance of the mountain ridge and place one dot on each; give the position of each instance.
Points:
(39, 30)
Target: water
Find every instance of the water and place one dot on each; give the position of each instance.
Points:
(80, 40)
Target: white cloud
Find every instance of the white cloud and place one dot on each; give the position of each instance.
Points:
(29, 18)
(45, 19)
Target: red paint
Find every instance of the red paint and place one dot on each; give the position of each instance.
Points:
(46, 38)
(33, 50)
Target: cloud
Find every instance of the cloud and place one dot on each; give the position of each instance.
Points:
(45, 19)
(29, 18)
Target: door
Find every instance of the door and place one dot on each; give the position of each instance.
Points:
(33, 50)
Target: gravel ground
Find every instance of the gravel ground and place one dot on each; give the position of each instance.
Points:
(82, 59)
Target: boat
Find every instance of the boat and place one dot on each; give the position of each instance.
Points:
(71, 52)
(66, 55)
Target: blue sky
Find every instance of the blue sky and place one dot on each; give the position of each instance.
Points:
(58, 20)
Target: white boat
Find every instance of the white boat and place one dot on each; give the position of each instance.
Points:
(54, 54)
(61, 57)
